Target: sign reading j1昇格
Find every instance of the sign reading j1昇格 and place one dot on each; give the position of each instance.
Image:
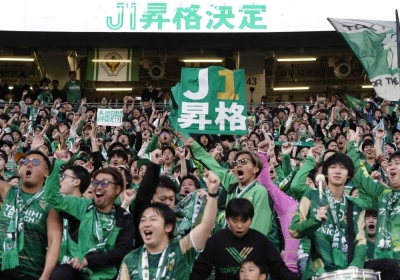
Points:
(210, 100)
(185, 16)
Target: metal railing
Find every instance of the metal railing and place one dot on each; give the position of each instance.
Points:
(116, 105)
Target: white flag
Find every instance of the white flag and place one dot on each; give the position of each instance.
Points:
(375, 45)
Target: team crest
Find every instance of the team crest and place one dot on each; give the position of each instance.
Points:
(111, 67)
(42, 204)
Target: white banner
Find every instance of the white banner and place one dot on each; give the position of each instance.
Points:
(186, 16)
(109, 117)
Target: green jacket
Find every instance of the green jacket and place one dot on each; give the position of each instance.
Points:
(85, 212)
(305, 223)
(379, 195)
(257, 195)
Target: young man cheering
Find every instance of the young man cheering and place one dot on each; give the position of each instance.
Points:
(74, 181)
(27, 223)
(227, 248)
(160, 257)
(335, 225)
(106, 231)
(242, 184)
(386, 199)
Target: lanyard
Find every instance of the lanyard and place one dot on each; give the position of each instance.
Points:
(145, 266)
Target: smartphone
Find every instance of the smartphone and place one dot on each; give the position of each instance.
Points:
(138, 98)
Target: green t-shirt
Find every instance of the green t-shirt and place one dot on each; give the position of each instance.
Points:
(178, 267)
(33, 255)
(75, 87)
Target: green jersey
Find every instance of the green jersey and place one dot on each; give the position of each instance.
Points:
(74, 91)
(175, 264)
(33, 255)
(327, 237)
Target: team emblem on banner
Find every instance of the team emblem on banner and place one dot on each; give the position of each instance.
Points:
(113, 68)
(118, 65)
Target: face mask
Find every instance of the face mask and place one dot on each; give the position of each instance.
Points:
(149, 87)
(302, 132)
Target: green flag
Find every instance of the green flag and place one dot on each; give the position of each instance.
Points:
(212, 100)
(117, 65)
(375, 45)
(355, 103)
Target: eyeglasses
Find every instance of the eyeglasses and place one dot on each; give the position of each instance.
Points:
(242, 161)
(103, 183)
(66, 175)
(26, 161)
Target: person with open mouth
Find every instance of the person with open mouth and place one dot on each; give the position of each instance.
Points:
(106, 231)
(27, 223)
(241, 184)
(160, 257)
(370, 224)
(385, 199)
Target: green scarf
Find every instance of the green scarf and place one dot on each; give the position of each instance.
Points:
(100, 238)
(383, 241)
(164, 268)
(14, 241)
(64, 240)
(189, 210)
(339, 244)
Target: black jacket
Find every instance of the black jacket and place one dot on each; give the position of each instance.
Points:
(3, 91)
(225, 251)
(123, 245)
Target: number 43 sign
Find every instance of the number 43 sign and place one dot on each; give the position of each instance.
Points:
(212, 100)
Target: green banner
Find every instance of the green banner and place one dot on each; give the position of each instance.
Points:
(374, 42)
(211, 100)
(109, 117)
(298, 143)
(117, 65)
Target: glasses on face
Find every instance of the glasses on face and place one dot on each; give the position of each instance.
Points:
(26, 161)
(242, 161)
(66, 175)
(102, 183)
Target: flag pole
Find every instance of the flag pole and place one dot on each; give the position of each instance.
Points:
(398, 39)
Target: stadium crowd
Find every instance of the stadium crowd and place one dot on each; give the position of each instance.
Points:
(144, 201)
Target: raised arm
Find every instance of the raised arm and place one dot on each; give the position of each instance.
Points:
(210, 163)
(70, 204)
(181, 153)
(298, 186)
(280, 199)
(201, 232)
(363, 180)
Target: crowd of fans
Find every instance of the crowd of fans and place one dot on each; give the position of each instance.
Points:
(144, 201)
